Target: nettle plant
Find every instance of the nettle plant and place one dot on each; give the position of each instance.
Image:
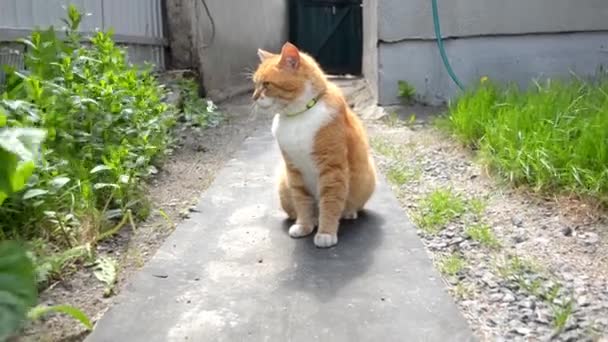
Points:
(18, 291)
(106, 127)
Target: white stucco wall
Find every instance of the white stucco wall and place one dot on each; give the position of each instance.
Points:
(241, 27)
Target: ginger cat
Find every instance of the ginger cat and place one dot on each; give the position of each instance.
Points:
(327, 165)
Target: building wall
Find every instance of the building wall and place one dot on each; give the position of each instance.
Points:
(370, 45)
(514, 40)
(240, 29)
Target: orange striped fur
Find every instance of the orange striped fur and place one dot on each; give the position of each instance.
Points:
(328, 172)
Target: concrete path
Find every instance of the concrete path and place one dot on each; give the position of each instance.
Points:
(231, 273)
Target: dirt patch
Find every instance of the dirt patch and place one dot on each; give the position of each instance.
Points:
(564, 241)
(186, 174)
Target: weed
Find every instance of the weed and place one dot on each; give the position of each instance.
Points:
(41, 310)
(406, 91)
(165, 216)
(477, 206)
(196, 111)
(386, 148)
(439, 208)
(107, 128)
(514, 266)
(106, 272)
(393, 120)
(135, 254)
(50, 266)
(561, 315)
(483, 234)
(463, 290)
(451, 265)
(398, 174)
(530, 279)
(552, 136)
(106, 125)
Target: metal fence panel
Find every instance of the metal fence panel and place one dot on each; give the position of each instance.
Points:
(138, 24)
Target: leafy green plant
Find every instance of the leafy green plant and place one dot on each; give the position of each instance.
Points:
(107, 128)
(106, 272)
(552, 136)
(196, 111)
(17, 146)
(17, 287)
(39, 311)
(50, 266)
(18, 291)
(406, 91)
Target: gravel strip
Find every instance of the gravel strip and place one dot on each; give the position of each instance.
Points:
(545, 277)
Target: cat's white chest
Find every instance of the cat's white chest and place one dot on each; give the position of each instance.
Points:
(296, 138)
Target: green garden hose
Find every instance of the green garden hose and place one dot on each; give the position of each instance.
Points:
(444, 57)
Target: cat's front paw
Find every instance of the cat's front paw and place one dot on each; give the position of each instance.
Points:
(325, 240)
(298, 230)
(350, 216)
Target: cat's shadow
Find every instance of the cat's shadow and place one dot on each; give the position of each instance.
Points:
(324, 272)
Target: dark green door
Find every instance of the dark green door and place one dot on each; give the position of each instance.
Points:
(331, 31)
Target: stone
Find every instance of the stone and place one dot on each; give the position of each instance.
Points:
(487, 279)
(523, 331)
(496, 297)
(543, 316)
(519, 238)
(528, 304)
(508, 298)
(591, 239)
(567, 231)
(517, 221)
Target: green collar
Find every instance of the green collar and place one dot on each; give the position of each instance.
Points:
(309, 105)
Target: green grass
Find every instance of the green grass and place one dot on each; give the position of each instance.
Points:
(477, 206)
(451, 265)
(438, 209)
(393, 120)
(399, 174)
(530, 278)
(561, 315)
(406, 91)
(552, 136)
(483, 234)
(386, 148)
(463, 290)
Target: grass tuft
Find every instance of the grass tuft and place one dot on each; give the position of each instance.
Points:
(552, 136)
(483, 234)
(451, 265)
(439, 208)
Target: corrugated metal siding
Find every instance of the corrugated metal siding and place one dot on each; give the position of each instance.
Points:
(134, 17)
(133, 20)
(10, 54)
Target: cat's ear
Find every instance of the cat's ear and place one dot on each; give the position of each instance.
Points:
(290, 56)
(264, 55)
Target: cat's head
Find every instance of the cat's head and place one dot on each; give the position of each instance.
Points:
(286, 80)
